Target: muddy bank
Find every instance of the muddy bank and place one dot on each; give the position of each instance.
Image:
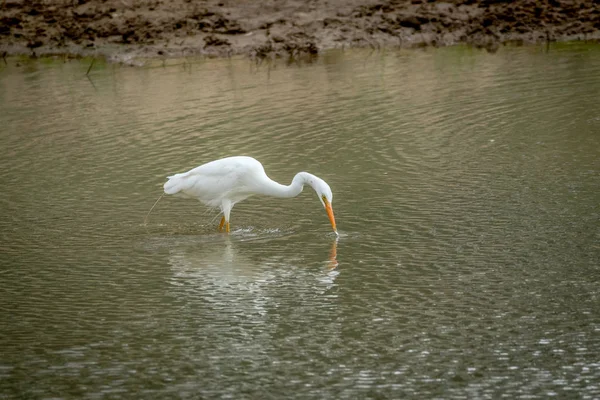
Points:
(126, 29)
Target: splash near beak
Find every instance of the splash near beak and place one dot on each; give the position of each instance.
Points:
(330, 214)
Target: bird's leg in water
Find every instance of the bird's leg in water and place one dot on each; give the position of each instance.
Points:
(221, 224)
(226, 206)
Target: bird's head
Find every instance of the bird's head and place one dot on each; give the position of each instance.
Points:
(326, 196)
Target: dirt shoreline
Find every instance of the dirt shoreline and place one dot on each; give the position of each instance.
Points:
(122, 30)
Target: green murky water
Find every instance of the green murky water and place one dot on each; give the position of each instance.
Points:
(466, 190)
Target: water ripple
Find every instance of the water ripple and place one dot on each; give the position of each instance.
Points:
(465, 190)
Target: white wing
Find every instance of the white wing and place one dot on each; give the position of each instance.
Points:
(229, 178)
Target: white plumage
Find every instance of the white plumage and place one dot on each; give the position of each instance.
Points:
(225, 182)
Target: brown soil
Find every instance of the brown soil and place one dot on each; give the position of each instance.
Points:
(126, 29)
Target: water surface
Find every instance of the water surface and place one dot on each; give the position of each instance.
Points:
(466, 190)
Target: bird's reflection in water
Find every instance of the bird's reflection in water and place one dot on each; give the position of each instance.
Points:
(331, 273)
(225, 265)
(333, 263)
(237, 298)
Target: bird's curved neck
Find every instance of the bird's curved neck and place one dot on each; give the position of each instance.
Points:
(272, 188)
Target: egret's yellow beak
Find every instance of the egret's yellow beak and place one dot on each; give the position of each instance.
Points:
(330, 214)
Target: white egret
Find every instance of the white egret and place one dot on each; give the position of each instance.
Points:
(225, 182)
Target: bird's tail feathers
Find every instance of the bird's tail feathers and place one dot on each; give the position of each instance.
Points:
(174, 184)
